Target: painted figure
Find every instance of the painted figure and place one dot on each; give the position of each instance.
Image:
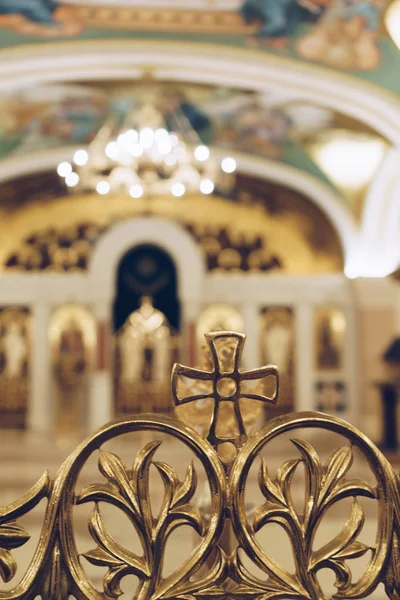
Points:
(182, 115)
(38, 17)
(278, 18)
(256, 128)
(16, 350)
(347, 35)
(40, 11)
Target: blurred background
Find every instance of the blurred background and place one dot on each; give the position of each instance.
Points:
(168, 169)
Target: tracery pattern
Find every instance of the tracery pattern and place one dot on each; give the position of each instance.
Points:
(215, 568)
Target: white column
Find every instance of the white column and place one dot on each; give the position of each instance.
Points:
(304, 357)
(41, 406)
(101, 397)
(251, 351)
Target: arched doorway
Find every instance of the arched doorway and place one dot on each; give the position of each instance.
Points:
(146, 270)
(147, 325)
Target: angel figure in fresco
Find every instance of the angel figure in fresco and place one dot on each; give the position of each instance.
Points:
(279, 18)
(38, 17)
(346, 36)
(259, 128)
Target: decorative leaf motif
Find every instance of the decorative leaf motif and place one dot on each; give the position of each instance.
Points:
(250, 586)
(268, 487)
(185, 491)
(210, 586)
(129, 491)
(13, 535)
(336, 468)
(342, 546)
(325, 484)
(56, 576)
(113, 469)
(313, 477)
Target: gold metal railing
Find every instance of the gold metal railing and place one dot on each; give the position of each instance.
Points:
(215, 568)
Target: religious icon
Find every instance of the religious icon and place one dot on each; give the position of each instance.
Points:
(347, 35)
(14, 366)
(330, 328)
(218, 317)
(39, 17)
(330, 396)
(277, 347)
(146, 348)
(73, 340)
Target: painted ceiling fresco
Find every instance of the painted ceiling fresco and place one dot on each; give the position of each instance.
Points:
(348, 35)
(268, 125)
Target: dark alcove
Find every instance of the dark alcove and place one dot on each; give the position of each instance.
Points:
(146, 270)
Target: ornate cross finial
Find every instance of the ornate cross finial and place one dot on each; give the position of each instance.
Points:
(226, 382)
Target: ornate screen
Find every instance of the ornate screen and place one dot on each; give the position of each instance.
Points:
(220, 565)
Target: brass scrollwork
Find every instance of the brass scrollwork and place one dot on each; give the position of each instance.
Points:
(213, 569)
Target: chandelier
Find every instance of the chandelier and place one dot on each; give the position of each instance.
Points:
(147, 155)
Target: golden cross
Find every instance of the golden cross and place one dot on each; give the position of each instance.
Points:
(226, 382)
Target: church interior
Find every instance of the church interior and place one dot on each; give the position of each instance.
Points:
(171, 170)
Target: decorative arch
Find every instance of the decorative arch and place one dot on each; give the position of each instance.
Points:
(167, 235)
(321, 194)
(380, 228)
(201, 63)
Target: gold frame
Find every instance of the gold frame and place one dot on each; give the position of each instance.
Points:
(56, 571)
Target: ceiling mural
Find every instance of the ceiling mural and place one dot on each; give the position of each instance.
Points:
(348, 35)
(269, 125)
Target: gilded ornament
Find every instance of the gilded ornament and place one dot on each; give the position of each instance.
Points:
(57, 569)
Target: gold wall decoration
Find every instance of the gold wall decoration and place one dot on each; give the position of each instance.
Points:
(145, 349)
(277, 345)
(73, 337)
(162, 19)
(210, 570)
(14, 366)
(218, 317)
(330, 330)
(269, 227)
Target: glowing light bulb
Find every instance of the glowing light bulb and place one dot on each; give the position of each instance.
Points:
(178, 189)
(202, 153)
(228, 165)
(64, 169)
(112, 150)
(161, 136)
(146, 137)
(72, 179)
(164, 147)
(81, 157)
(206, 186)
(103, 187)
(136, 191)
(170, 160)
(137, 150)
(132, 135)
